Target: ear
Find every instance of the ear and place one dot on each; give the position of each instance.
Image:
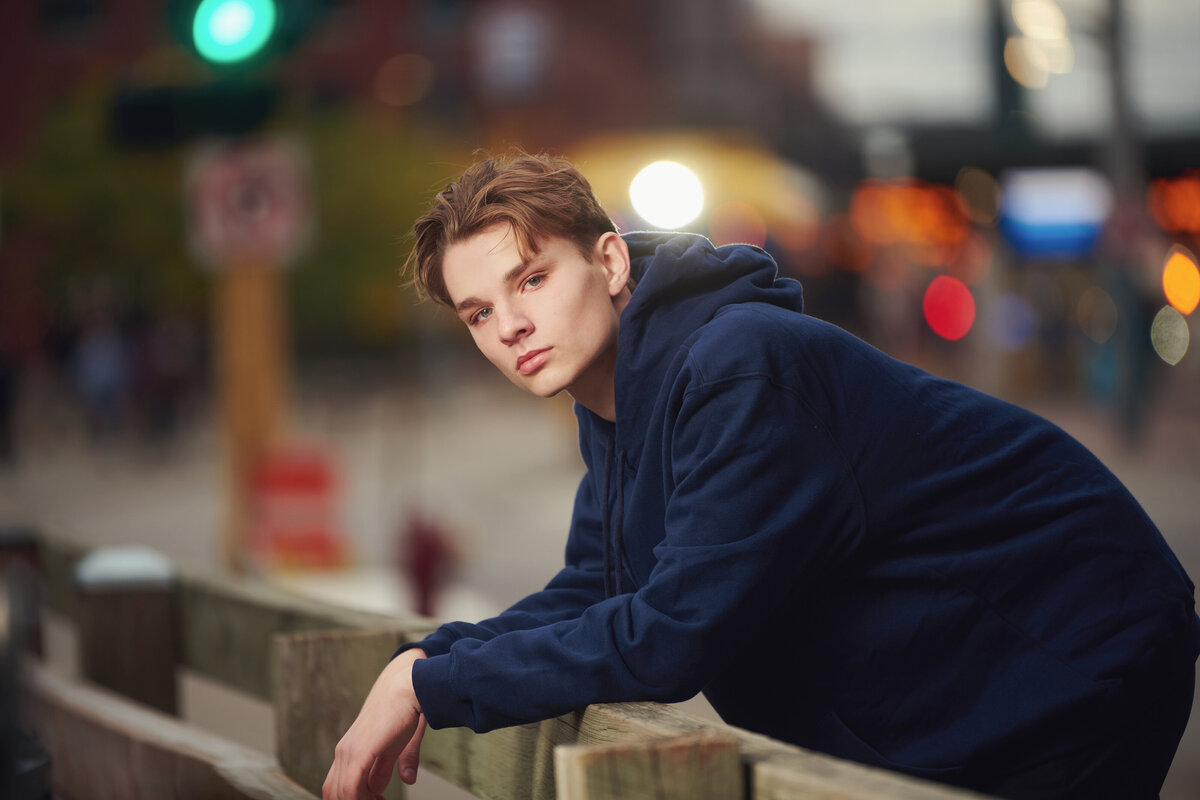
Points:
(613, 255)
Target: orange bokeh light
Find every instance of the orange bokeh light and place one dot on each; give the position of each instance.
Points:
(925, 219)
(1175, 203)
(1181, 281)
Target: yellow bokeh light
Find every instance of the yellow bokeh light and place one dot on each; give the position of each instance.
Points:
(1170, 336)
(1040, 19)
(1181, 281)
(1027, 62)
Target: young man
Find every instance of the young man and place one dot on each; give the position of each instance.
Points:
(840, 550)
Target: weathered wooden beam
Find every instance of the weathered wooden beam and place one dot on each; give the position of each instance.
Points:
(225, 623)
(518, 762)
(104, 747)
(779, 771)
(321, 680)
(228, 624)
(701, 766)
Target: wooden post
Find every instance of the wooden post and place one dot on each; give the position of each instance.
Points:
(251, 379)
(703, 766)
(128, 623)
(19, 566)
(321, 681)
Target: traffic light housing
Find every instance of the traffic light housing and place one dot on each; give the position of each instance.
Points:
(233, 93)
(163, 116)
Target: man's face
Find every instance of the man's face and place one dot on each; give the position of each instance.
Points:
(549, 321)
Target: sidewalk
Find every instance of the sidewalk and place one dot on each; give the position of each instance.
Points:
(457, 454)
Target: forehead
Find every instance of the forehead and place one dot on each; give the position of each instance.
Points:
(480, 259)
(485, 259)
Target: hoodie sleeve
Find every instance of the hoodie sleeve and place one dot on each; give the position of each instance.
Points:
(758, 497)
(579, 584)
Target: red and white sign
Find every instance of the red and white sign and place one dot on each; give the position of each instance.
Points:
(249, 202)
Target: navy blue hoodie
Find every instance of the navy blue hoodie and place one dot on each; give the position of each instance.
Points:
(840, 550)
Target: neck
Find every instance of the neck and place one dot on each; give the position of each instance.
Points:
(597, 391)
(598, 394)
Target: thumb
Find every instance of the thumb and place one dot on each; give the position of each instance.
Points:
(411, 757)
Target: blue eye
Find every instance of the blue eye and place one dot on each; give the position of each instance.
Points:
(481, 315)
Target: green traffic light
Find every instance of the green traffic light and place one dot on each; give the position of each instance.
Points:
(227, 31)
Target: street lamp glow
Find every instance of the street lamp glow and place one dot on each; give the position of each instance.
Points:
(226, 31)
(667, 195)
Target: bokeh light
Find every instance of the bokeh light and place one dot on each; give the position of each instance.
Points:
(1046, 35)
(1175, 203)
(403, 80)
(979, 194)
(667, 195)
(1096, 314)
(1039, 19)
(1181, 281)
(927, 219)
(1027, 62)
(226, 31)
(1012, 322)
(949, 307)
(1170, 336)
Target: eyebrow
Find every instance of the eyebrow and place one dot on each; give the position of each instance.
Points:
(509, 277)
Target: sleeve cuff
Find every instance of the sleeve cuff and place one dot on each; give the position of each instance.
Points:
(443, 707)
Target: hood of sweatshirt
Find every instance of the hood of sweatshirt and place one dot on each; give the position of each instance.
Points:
(682, 282)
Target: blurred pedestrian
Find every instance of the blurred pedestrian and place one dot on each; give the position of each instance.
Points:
(100, 375)
(428, 556)
(840, 550)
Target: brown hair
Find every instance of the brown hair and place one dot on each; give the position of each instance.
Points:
(539, 195)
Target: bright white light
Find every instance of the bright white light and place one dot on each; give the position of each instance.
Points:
(231, 22)
(667, 195)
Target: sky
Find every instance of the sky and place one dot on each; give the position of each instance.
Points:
(927, 61)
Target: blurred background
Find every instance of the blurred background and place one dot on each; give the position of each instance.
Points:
(206, 345)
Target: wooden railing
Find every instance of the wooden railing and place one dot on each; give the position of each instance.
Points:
(315, 663)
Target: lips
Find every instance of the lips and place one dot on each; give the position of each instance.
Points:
(532, 361)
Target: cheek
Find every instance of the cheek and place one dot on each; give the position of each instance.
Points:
(484, 346)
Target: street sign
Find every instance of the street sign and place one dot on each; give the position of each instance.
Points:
(249, 202)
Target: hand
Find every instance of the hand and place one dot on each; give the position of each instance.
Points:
(387, 731)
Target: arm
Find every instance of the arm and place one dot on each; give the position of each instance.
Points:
(579, 584)
(390, 724)
(759, 498)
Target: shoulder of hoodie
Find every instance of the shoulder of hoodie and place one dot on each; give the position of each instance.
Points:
(757, 341)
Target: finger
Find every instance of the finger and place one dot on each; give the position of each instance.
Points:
(380, 774)
(411, 756)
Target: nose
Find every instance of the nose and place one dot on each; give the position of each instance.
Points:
(514, 324)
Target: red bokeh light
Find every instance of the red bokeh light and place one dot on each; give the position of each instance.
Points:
(949, 307)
